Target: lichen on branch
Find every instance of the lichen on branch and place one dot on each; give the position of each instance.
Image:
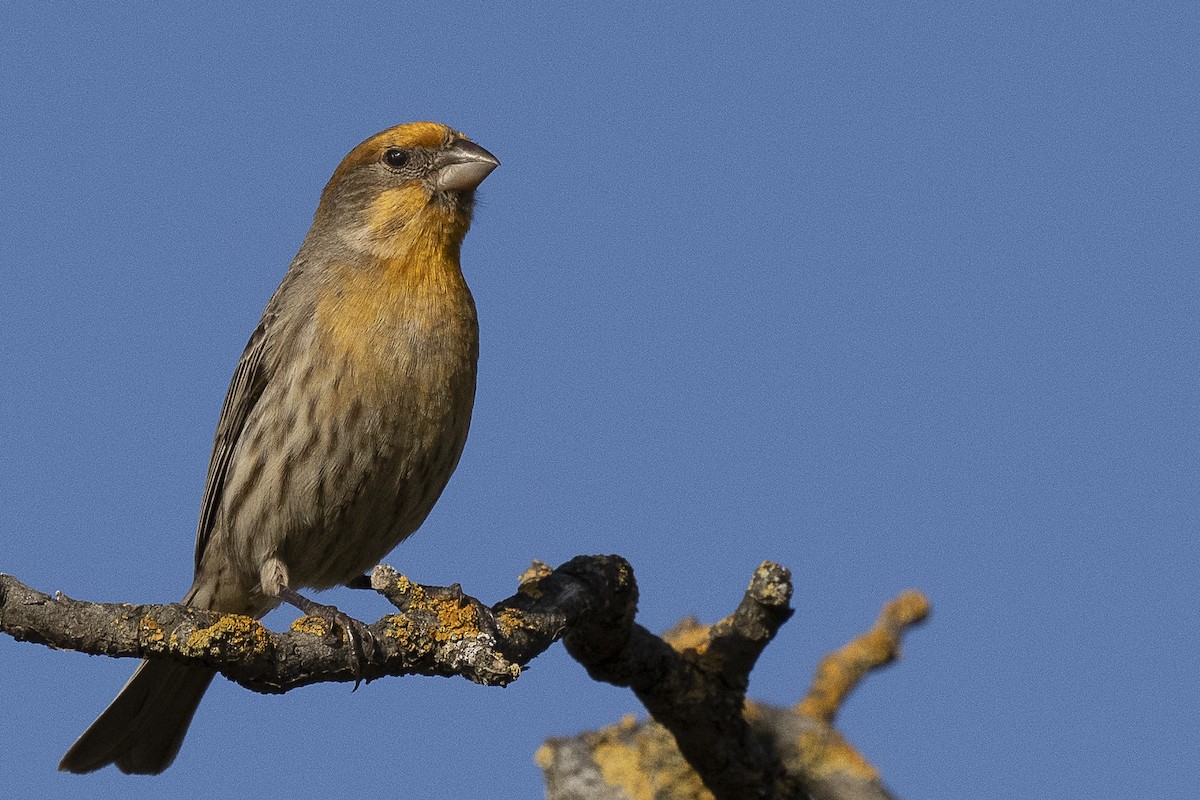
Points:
(706, 739)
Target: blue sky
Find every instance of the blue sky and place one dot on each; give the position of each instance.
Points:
(895, 296)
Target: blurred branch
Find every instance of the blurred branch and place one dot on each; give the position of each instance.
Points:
(706, 741)
(811, 758)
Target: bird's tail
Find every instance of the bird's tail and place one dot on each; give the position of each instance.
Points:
(142, 729)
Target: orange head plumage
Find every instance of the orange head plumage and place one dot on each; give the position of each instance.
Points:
(404, 184)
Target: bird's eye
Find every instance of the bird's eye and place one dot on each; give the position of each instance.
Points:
(396, 158)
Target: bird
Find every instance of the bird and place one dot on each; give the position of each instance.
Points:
(345, 417)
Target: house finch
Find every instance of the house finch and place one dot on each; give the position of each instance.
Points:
(346, 415)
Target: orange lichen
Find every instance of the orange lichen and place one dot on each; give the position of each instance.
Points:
(149, 631)
(455, 620)
(400, 628)
(643, 760)
(404, 586)
(509, 620)
(688, 634)
(313, 626)
(231, 633)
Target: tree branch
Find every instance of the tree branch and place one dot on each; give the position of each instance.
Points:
(808, 756)
(697, 693)
(439, 632)
(708, 739)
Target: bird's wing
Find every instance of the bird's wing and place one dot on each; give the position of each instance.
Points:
(249, 380)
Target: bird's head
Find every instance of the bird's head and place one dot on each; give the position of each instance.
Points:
(404, 183)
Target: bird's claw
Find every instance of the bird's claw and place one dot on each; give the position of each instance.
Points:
(358, 636)
(360, 640)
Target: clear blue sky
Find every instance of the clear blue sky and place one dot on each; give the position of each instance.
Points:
(895, 296)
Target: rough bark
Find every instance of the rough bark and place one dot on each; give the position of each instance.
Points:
(705, 740)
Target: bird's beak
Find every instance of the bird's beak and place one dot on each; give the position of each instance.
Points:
(463, 166)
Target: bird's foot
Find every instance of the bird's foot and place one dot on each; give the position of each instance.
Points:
(358, 635)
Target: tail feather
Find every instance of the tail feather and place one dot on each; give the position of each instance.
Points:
(142, 730)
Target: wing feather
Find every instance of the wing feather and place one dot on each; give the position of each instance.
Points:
(245, 389)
